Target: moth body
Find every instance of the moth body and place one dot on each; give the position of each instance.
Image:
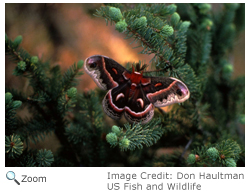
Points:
(131, 93)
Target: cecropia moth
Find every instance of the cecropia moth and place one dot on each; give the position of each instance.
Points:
(131, 93)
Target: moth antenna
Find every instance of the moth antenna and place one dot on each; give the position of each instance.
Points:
(138, 67)
(133, 69)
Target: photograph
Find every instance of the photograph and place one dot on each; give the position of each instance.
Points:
(125, 85)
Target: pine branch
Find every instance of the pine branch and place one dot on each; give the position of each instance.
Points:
(225, 153)
(156, 35)
(135, 135)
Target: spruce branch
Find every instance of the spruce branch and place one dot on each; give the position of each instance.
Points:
(151, 48)
(10, 113)
(136, 135)
(153, 32)
(27, 158)
(167, 160)
(69, 78)
(13, 146)
(44, 158)
(226, 153)
(47, 98)
(186, 148)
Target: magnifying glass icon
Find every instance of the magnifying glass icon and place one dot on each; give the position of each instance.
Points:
(11, 176)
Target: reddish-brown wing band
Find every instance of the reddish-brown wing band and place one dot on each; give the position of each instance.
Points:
(131, 93)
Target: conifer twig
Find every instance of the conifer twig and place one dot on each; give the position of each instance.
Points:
(186, 147)
(146, 43)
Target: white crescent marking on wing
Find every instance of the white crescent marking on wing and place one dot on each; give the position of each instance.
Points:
(140, 100)
(121, 95)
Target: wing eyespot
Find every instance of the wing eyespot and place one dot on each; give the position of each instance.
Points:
(179, 92)
(93, 65)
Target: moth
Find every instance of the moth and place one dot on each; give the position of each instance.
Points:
(132, 93)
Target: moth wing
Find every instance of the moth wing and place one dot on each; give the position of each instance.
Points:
(164, 91)
(115, 100)
(138, 107)
(106, 72)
